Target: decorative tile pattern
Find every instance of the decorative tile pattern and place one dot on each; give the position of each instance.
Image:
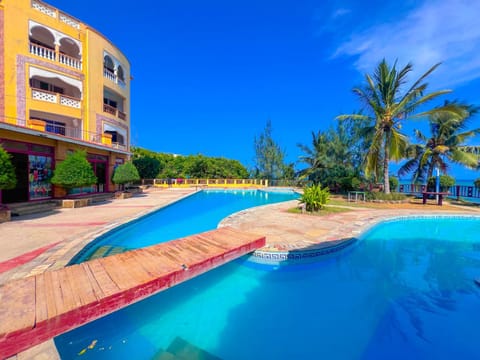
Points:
(22, 60)
(299, 255)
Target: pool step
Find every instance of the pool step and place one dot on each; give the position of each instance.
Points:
(107, 250)
(181, 349)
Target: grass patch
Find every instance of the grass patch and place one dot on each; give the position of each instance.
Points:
(325, 211)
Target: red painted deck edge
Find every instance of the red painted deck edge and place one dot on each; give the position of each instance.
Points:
(22, 339)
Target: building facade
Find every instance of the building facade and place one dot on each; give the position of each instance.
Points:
(63, 87)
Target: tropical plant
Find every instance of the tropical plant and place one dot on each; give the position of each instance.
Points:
(178, 166)
(269, 157)
(476, 183)
(445, 183)
(447, 143)
(74, 171)
(147, 166)
(333, 158)
(388, 106)
(314, 197)
(8, 179)
(125, 174)
(393, 182)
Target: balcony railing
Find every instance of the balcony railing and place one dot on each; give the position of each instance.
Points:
(54, 13)
(67, 131)
(109, 74)
(114, 111)
(53, 55)
(56, 98)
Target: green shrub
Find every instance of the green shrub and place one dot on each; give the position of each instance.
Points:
(445, 183)
(393, 183)
(125, 173)
(477, 183)
(74, 171)
(148, 167)
(315, 198)
(8, 179)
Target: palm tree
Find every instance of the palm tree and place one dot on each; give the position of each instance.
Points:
(315, 157)
(445, 144)
(331, 150)
(387, 108)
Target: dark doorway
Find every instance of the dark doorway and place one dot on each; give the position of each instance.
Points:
(20, 193)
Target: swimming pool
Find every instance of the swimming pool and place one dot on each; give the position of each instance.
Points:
(197, 213)
(405, 291)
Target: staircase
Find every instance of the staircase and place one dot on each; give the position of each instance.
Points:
(27, 208)
(181, 349)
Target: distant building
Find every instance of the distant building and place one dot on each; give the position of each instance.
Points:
(63, 87)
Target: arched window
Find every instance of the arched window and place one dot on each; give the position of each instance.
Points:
(43, 37)
(70, 48)
(120, 74)
(108, 64)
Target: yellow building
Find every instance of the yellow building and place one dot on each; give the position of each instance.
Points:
(63, 87)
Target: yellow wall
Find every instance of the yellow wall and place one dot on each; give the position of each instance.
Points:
(18, 101)
(17, 16)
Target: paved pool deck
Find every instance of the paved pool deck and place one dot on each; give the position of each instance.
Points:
(31, 245)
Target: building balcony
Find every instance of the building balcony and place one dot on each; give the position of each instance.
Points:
(114, 111)
(110, 75)
(53, 55)
(67, 130)
(56, 98)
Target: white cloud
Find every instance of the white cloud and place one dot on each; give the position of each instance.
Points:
(436, 31)
(340, 12)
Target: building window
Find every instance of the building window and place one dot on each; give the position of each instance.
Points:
(42, 85)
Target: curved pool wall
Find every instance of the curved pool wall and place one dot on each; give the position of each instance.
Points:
(197, 213)
(405, 291)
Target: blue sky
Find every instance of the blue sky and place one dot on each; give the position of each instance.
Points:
(208, 74)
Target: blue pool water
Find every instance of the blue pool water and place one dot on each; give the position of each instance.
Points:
(197, 213)
(404, 291)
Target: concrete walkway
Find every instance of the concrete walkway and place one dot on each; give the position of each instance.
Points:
(31, 244)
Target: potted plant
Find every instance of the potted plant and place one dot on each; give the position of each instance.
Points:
(74, 171)
(8, 180)
(125, 174)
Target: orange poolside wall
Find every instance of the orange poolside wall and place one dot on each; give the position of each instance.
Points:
(38, 308)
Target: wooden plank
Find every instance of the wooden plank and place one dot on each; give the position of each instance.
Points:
(41, 309)
(49, 293)
(97, 290)
(152, 264)
(119, 272)
(157, 253)
(18, 306)
(103, 279)
(81, 285)
(59, 300)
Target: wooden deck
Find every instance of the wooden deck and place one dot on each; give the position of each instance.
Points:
(37, 308)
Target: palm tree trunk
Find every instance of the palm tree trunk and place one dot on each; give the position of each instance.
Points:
(386, 180)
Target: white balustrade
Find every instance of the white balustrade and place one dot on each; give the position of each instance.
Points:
(109, 75)
(69, 21)
(68, 101)
(44, 96)
(70, 61)
(44, 9)
(42, 51)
